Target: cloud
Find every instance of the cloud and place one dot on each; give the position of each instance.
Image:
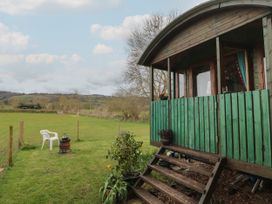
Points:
(7, 59)
(121, 31)
(15, 7)
(39, 59)
(102, 49)
(11, 40)
(53, 78)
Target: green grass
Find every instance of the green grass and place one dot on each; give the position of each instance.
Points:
(41, 176)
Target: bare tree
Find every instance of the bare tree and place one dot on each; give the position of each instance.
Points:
(137, 77)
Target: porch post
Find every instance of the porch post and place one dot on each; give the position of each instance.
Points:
(218, 61)
(267, 31)
(219, 91)
(169, 92)
(151, 83)
(177, 85)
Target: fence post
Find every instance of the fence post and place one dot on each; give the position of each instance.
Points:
(78, 130)
(21, 135)
(10, 163)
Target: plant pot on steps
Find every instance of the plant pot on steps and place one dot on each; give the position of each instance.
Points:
(166, 136)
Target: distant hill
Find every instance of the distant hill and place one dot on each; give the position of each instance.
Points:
(4, 95)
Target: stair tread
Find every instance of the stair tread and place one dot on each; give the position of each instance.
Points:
(174, 194)
(179, 178)
(146, 196)
(182, 164)
(207, 157)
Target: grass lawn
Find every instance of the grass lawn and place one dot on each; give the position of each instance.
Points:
(40, 176)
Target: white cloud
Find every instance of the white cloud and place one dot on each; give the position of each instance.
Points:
(7, 59)
(40, 58)
(121, 31)
(11, 40)
(14, 7)
(102, 49)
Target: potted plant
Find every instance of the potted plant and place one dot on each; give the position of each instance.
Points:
(126, 151)
(166, 136)
(114, 190)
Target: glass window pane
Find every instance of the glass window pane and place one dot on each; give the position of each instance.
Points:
(203, 81)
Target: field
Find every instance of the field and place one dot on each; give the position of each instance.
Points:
(41, 176)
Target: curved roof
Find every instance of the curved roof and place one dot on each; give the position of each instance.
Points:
(201, 9)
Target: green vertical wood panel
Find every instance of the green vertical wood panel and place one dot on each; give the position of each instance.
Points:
(250, 128)
(173, 117)
(182, 141)
(223, 137)
(235, 126)
(152, 118)
(186, 134)
(207, 124)
(201, 124)
(212, 124)
(266, 128)
(191, 124)
(216, 125)
(229, 126)
(242, 127)
(258, 127)
(197, 136)
(177, 122)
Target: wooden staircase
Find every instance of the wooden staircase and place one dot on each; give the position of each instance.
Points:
(178, 171)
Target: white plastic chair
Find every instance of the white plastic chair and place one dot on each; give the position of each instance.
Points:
(46, 134)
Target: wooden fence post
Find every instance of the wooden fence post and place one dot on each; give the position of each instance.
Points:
(10, 163)
(78, 130)
(21, 135)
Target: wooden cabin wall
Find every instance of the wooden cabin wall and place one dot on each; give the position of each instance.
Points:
(208, 28)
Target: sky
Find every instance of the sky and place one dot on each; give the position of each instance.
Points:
(68, 46)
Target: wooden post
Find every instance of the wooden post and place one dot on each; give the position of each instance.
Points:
(218, 62)
(213, 78)
(247, 71)
(260, 64)
(10, 163)
(78, 130)
(190, 82)
(177, 85)
(151, 83)
(219, 90)
(21, 134)
(169, 93)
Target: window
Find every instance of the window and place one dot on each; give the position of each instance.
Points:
(203, 84)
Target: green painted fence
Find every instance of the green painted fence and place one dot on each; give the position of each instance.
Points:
(245, 127)
(194, 123)
(159, 119)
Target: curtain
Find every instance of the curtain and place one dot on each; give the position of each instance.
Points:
(242, 65)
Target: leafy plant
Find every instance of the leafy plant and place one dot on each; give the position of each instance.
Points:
(126, 151)
(113, 190)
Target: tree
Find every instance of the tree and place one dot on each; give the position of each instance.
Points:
(137, 77)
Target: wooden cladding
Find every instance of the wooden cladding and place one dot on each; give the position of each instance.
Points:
(245, 127)
(193, 121)
(208, 28)
(159, 119)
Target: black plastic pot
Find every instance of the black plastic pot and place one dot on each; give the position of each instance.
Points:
(166, 136)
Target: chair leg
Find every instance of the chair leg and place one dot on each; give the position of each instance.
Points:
(51, 145)
(43, 144)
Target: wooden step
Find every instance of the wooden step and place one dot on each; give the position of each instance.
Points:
(146, 196)
(184, 165)
(196, 155)
(179, 178)
(174, 194)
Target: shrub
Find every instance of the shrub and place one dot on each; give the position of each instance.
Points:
(126, 151)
